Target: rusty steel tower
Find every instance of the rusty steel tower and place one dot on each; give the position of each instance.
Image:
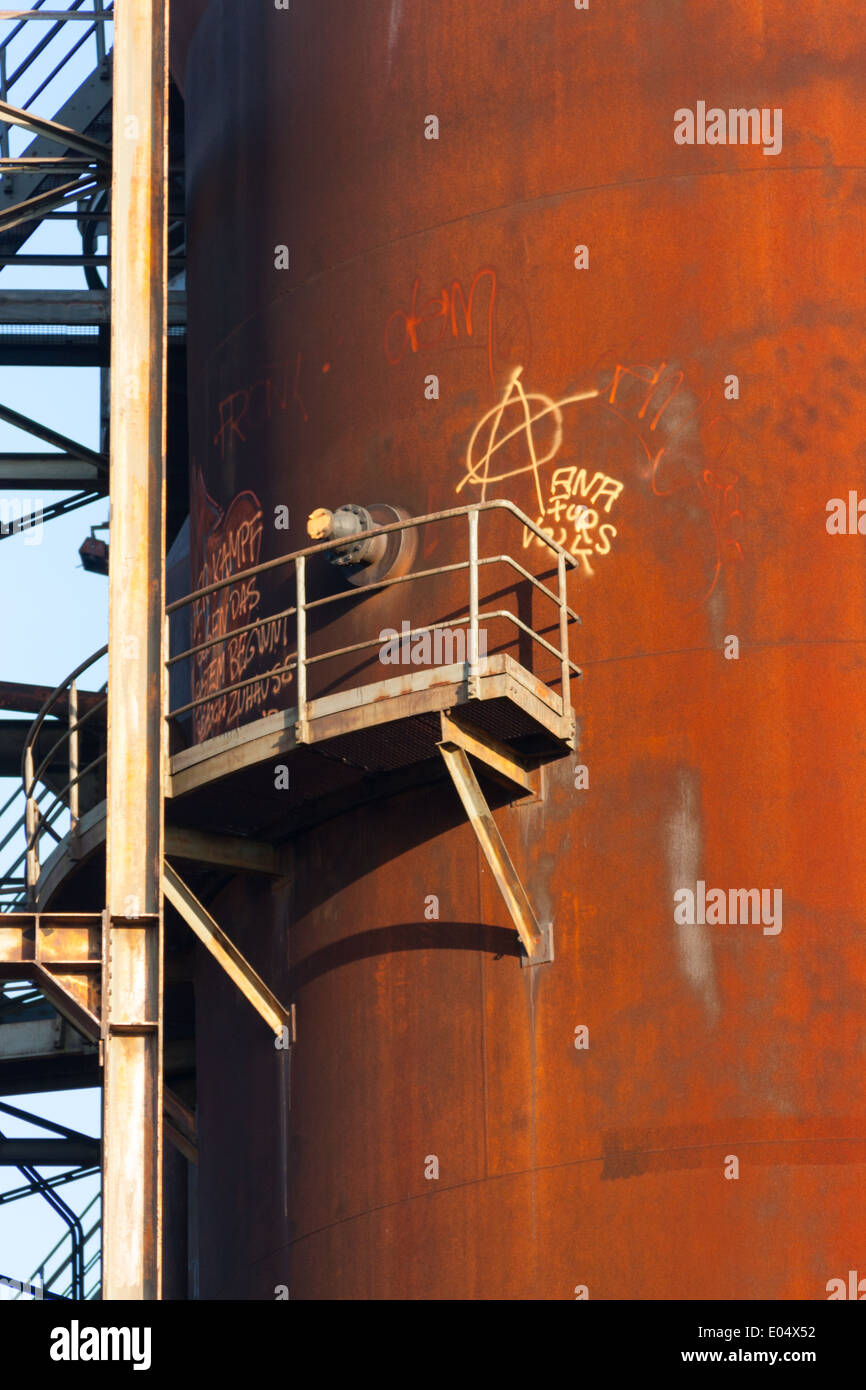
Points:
(480, 788)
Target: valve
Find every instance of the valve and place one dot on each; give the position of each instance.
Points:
(367, 561)
(347, 521)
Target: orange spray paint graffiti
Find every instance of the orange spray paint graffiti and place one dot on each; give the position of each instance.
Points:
(247, 409)
(517, 401)
(534, 414)
(232, 543)
(424, 328)
(524, 432)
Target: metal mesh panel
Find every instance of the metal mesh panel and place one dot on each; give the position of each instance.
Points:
(385, 747)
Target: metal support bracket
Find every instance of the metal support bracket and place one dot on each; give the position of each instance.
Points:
(236, 966)
(229, 851)
(95, 150)
(544, 954)
(119, 919)
(494, 850)
(61, 954)
(498, 759)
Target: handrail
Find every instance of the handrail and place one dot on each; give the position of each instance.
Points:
(498, 503)
(50, 699)
(44, 804)
(301, 661)
(267, 565)
(72, 728)
(70, 1259)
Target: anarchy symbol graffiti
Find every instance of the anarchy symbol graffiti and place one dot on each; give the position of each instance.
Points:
(529, 408)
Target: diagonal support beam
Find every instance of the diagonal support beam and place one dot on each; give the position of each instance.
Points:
(59, 953)
(179, 1125)
(33, 209)
(49, 436)
(58, 992)
(52, 130)
(493, 846)
(498, 759)
(40, 1122)
(224, 951)
(44, 164)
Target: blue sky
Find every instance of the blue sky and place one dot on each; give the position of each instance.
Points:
(52, 613)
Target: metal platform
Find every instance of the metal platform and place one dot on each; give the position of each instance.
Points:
(350, 745)
(380, 728)
(361, 745)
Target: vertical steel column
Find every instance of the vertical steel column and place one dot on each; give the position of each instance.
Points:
(132, 966)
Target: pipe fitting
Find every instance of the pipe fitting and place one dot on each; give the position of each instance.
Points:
(340, 525)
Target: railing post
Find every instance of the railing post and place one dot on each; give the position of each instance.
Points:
(563, 640)
(74, 760)
(301, 731)
(473, 604)
(31, 828)
(4, 133)
(99, 29)
(165, 676)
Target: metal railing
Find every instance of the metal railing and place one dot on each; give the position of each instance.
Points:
(77, 1251)
(42, 36)
(301, 661)
(46, 61)
(46, 801)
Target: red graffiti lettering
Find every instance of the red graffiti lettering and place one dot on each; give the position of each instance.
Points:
(412, 331)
